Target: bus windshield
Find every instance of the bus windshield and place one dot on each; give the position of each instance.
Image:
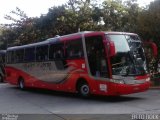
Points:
(129, 59)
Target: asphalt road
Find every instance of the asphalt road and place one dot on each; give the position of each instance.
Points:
(50, 104)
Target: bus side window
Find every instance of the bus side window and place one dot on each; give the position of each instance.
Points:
(19, 56)
(10, 57)
(56, 51)
(74, 49)
(51, 52)
(30, 54)
(42, 53)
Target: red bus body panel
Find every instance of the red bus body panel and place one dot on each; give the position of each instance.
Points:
(78, 70)
(113, 89)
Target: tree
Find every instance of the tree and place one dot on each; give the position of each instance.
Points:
(149, 26)
(80, 14)
(113, 13)
(132, 12)
(121, 16)
(17, 30)
(148, 21)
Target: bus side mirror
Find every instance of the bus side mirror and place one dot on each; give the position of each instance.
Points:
(112, 50)
(155, 50)
(153, 47)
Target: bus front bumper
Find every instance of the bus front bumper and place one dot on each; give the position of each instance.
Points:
(124, 89)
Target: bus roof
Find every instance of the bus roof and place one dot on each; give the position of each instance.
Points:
(33, 44)
(121, 33)
(48, 41)
(57, 39)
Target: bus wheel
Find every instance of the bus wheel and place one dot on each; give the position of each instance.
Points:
(1, 78)
(84, 90)
(21, 84)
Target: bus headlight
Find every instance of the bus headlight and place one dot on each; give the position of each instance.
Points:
(117, 81)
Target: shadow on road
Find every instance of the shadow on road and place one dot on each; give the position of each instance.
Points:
(112, 99)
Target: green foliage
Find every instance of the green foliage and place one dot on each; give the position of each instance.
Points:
(149, 27)
(84, 15)
(149, 24)
(119, 16)
(113, 12)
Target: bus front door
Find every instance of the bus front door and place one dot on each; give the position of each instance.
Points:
(95, 51)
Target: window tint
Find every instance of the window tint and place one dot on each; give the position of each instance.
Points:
(42, 53)
(19, 55)
(56, 51)
(74, 49)
(30, 54)
(96, 56)
(10, 57)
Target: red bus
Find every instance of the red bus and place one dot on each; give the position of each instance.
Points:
(100, 63)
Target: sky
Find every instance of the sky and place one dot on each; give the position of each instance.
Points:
(34, 8)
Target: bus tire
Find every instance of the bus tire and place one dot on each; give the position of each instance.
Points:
(83, 89)
(21, 83)
(1, 78)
